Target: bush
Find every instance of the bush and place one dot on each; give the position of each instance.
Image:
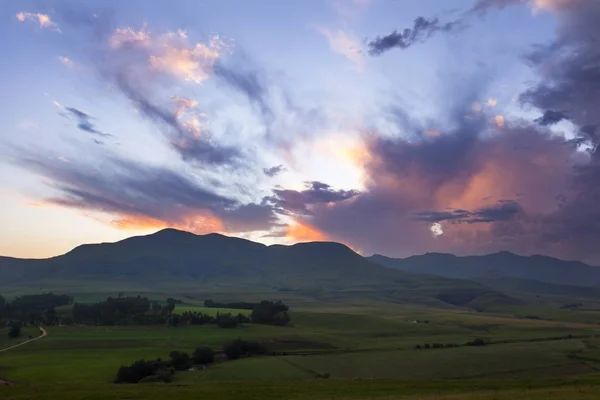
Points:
(163, 375)
(203, 355)
(180, 360)
(14, 331)
(243, 348)
(142, 369)
(477, 342)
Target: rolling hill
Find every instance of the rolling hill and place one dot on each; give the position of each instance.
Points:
(177, 261)
(506, 271)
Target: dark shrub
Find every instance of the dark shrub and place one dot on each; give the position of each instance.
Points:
(14, 331)
(142, 369)
(180, 360)
(242, 348)
(203, 355)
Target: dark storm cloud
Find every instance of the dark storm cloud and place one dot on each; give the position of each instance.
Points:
(298, 201)
(551, 117)
(569, 68)
(273, 171)
(84, 122)
(503, 210)
(422, 29)
(134, 192)
(459, 173)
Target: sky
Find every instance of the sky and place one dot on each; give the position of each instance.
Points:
(394, 127)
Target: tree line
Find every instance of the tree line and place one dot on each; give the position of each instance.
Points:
(33, 309)
(40, 309)
(162, 370)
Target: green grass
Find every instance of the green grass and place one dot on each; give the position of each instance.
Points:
(537, 389)
(26, 332)
(353, 341)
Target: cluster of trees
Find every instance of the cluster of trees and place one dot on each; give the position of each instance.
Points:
(41, 310)
(265, 312)
(223, 320)
(270, 313)
(122, 311)
(35, 309)
(162, 370)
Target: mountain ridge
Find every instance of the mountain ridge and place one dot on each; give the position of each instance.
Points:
(175, 259)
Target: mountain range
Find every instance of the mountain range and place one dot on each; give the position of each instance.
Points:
(506, 271)
(176, 261)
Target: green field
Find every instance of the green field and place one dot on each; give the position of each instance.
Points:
(365, 345)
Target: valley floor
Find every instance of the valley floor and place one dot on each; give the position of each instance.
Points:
(331, 351)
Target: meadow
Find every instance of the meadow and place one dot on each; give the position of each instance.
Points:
(328, 349)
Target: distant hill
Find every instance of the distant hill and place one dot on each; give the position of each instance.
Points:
(172, 260)
(506, 271)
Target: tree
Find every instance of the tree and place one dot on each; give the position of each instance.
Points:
(180, 360)
(203, 355)
(241, 348)
(14, 331)
(174, 320)
(282, 318)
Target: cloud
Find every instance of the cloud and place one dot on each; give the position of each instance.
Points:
(141, 196)
(345, 44)
(551, 117)
(184, 138)
(84, 122)
(273, 171)
(304, 232)
(519, 188)
(245, 78)
(43, 19)
(422, 29)
(300, 201)
(503, 210)
(569, 67)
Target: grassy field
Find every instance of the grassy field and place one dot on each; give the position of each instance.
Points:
(26, 333)
(365, 348)
(580, 388)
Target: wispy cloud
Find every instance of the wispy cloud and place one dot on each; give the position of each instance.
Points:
(43, 20)
(344, 43)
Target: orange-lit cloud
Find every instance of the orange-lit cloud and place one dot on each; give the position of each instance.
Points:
(44, 20)
(129, 36)
(303, 232)
(172, 53)
(491, 102)
(197, 224)
(499, 121)
(192, 120)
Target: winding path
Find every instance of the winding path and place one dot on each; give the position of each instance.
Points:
(44, 333)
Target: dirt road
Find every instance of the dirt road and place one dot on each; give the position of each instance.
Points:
(44, 333)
